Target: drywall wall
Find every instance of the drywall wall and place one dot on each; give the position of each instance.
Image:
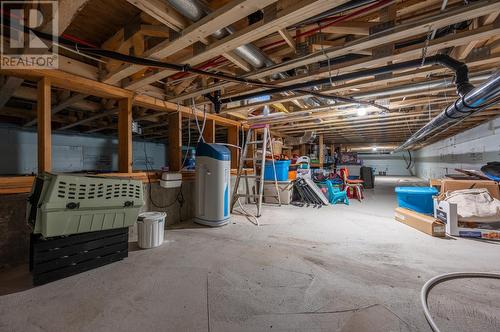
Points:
(72, 152)
(391, 164)
(470, 149)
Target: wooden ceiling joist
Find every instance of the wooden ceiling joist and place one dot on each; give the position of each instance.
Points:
(225, 16)
(293, 14)
(89, 92)
(8, 88)
(392, 35)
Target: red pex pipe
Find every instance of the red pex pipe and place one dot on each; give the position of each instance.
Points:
(331, 22)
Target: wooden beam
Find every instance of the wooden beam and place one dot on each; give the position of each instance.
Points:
(83, 85)
(44, 137)
(62, 105)
(67, 11)
(168, 107)
(16, 184)
(288, 38)
(209, 133)
(392, 35)
(350, 28)
(292, 14)
(179, 88)
(302, 150)
(125, 135)
(90, 119)
(400, 54)
(162, 12)
(233, 138)
(321, 151)
(237, 60)
(222, 17)
(155, 31)
(490, 18)
(65, 80)
(462, 51)
(8, 88)
(175, 142)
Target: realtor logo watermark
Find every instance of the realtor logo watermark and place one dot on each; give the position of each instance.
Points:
(21, 49)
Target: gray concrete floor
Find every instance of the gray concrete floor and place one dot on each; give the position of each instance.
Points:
(338, 268)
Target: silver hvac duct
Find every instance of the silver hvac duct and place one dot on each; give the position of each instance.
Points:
(476, 100)
(194, 11)
(308, 137)
(418, 87)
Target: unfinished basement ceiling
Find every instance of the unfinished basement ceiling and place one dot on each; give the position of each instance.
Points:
(281, 43)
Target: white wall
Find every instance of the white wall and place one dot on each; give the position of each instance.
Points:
(470, 149)
(71, 152)
(392, 164)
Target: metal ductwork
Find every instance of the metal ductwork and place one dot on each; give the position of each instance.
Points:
(443, 83)
(194, 11)
(309, 136)
(474, 101)
(459, 68)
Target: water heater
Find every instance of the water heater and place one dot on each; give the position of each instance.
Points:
(213, 172)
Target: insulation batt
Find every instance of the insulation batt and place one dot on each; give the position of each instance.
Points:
(474, 203)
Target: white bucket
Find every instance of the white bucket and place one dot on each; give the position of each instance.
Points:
(150, 229)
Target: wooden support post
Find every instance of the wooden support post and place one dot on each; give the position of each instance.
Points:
(233, 138)
(43, 106)
(321, 151)
(302, 150)
(209, 133)
(175, 141)
(125, 135)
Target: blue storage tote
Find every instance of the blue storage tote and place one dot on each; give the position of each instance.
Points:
(281, 170)
(418, 199)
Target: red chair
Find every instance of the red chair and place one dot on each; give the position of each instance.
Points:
(356, 185)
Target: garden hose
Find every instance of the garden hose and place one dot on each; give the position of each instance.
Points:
(443, 277)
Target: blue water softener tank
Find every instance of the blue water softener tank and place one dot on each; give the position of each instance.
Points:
(213, 173)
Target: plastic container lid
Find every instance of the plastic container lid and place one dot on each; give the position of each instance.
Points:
(269, 163)
(152, 216)
(215, 151)
(417, 190)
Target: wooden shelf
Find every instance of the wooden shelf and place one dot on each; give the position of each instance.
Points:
(22, 184)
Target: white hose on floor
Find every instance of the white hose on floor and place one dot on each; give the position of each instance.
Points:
(443, 277)
(248, 214)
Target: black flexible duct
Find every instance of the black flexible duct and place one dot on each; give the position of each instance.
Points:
(460, 69)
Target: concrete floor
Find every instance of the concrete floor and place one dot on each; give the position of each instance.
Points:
(338, 268)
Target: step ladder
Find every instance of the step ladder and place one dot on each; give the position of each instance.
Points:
(254, 194)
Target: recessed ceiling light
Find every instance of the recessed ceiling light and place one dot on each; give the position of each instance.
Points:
(361, 111)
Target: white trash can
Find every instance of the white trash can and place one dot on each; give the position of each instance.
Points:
(150, 229)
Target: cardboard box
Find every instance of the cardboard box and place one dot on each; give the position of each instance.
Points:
(285, 188)
(447, 213)
(452, 185)
(422, 222)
